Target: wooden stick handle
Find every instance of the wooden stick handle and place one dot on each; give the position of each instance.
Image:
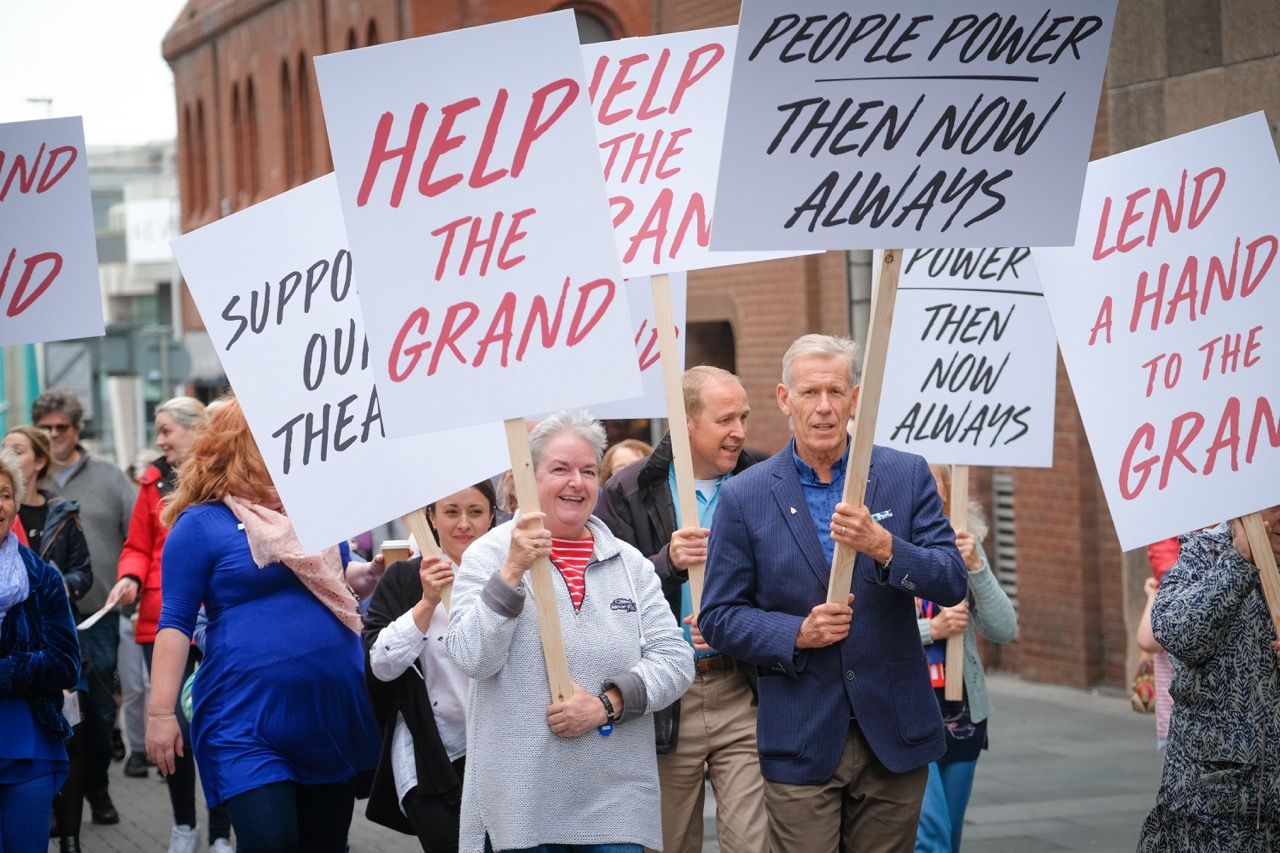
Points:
(544, 593)
(1265, 560)
(416, 521)
(959, 500)
(864, 422)
(678, 424)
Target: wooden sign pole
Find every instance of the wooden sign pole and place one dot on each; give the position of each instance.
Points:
(864, 422)
(959, 500)
(416, 521)
(539, 576)
(1265, 560)
(678, 423)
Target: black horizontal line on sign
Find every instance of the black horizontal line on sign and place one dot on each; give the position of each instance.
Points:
(980, 290)
(1012, 78)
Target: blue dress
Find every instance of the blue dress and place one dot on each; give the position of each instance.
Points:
(280, 693)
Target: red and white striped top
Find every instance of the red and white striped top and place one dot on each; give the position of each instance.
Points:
(570, 557)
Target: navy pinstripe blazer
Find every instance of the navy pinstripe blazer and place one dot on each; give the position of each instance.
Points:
(766, 571)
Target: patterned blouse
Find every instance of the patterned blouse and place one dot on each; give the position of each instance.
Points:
(1221, 784)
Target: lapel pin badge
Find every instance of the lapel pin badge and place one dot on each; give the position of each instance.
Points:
(793, 510)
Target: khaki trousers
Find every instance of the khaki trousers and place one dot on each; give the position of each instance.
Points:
(864, 804)
(717, 738)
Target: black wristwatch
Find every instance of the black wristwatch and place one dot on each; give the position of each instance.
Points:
(608, 707)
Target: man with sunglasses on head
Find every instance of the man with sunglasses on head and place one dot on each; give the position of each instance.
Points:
(106, 498)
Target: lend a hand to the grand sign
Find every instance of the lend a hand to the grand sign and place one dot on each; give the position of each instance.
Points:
(48, 256)
(472, 193)
(853, 124)
(1166, 312)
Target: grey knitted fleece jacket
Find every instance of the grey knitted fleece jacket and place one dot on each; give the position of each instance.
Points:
(523, 785)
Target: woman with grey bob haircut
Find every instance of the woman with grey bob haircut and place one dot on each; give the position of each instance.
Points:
(579, 771)
(574, 421)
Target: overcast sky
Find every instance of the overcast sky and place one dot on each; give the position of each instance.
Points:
(95, 58)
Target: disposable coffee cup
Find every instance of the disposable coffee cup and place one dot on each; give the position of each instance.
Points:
(395, 550)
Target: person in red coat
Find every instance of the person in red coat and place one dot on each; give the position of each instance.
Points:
(178, 422)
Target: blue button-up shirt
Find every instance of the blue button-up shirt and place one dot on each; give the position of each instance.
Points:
(822, 497)
(706, 512)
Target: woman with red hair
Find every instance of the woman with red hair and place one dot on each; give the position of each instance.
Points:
(281, 725)
(178, 422)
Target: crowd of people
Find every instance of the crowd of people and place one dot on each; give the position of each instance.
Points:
(300, 683)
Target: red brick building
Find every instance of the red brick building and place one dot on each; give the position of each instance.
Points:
(250, 127)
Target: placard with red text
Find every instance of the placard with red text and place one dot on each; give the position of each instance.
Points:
(1168, 316)
(971, 374)
(282, 313)
(48, 253)
(659, 104)
(916, 123)
(472, 192)
(640, 300)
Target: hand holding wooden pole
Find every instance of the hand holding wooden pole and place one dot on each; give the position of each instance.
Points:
(959, 501)
(678, 424)
(416, 521)
(1265, 559)
(539, 575)
(864, 422)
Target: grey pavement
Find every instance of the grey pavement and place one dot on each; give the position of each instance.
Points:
(1067, 770)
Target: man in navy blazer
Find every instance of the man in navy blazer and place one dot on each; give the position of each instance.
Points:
(848, 721)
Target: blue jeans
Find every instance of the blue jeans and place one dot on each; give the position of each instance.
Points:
(572, 848)
(946, 797)
(24, 812)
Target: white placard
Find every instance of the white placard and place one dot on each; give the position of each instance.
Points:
(640, 301)
(276, 286)
(918, 123)
(150, 223)
(659, 105)
(473, 196)
(971, 374)
(1167, 310)
(49, 287)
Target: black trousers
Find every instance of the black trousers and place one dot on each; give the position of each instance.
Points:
(285, 817)
(434, 819)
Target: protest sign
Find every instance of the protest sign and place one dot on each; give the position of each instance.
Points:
(648, 357)
(659, 106)
(472, 192)
(854, 125)
(1166, 314)
(276, 286)
(48, 253)
(972, 364)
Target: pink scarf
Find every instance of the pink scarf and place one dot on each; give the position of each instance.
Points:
(272, 540)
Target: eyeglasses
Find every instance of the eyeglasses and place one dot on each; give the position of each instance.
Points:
(56, 429)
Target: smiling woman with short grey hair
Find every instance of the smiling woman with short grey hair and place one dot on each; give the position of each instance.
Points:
(627, 658)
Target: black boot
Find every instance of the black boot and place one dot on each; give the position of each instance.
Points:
(103, 810)
(69, 844)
